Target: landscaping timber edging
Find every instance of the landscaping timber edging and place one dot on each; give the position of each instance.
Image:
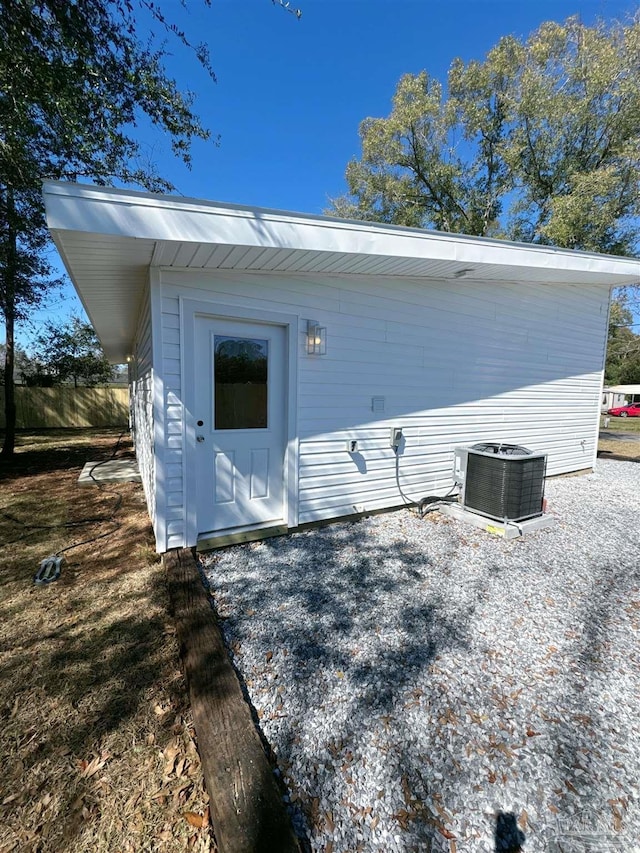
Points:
(247, 810)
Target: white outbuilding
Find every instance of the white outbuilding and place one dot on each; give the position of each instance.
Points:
(273, 355)
(617, 395)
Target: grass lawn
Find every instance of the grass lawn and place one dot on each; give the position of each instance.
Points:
(97, 746)
(618, 448)
(620, 424)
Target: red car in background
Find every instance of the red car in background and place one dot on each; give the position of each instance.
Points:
(631, 410)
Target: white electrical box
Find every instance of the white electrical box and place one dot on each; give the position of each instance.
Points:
(395, 439)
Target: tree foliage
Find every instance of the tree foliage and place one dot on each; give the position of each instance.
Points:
(538, 142)
(69, 353)
(22, 363)
(623, 350)
(75, 79)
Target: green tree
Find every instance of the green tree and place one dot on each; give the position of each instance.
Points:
(76, 78)
(68, 353)
(23, 363)
(539, 142)
(623, 348)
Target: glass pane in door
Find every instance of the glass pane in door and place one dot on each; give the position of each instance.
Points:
(240, 368)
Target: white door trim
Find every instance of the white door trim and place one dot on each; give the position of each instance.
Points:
(189, 310)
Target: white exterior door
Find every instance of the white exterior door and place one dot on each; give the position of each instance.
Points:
(240, 416)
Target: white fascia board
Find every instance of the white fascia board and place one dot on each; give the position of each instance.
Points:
(125, 213)
(622, 389)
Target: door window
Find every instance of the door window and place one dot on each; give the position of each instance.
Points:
(240, 370)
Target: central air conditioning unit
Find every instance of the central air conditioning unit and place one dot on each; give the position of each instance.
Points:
(501, 481)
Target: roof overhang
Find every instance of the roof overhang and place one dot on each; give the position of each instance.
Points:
(109, 238)
(623, 389)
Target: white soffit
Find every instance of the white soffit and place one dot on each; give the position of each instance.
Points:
(108, 239)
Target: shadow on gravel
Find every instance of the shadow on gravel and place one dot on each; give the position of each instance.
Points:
(617, 457)
(361, 591)
(582, 750)
(355, 589)
(340, 601)
(509, 838)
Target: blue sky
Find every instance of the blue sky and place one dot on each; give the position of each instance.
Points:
(290, 93)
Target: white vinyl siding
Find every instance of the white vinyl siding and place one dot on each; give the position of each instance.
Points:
(456, 361)
(142, 421)
(173, 423)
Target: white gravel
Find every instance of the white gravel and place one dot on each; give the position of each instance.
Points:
(425, 685)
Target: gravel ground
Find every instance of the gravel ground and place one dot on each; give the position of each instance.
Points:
(428, 687)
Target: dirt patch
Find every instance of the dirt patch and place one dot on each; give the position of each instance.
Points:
(97, 749)
(623, 451)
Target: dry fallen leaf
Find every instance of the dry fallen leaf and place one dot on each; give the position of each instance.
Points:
(90, 768)
(171, 752)
(445, 832)
(269, 656)
(617, 819)
(443, 814)
(406, 790)
(194, 819)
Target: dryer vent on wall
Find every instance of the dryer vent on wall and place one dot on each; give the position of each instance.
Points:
(501, 481)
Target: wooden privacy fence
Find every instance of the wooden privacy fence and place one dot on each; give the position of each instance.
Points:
(65, 406)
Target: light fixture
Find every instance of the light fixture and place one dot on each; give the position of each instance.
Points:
(316, 338)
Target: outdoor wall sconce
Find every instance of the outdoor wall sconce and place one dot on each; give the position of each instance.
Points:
(316, 338)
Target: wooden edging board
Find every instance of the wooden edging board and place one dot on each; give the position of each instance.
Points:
(247, 810)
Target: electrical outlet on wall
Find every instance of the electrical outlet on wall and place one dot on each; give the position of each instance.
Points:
(396, 437)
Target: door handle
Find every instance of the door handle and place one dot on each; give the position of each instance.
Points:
(200, 438)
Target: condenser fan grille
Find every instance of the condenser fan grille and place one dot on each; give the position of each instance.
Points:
(504, 485)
